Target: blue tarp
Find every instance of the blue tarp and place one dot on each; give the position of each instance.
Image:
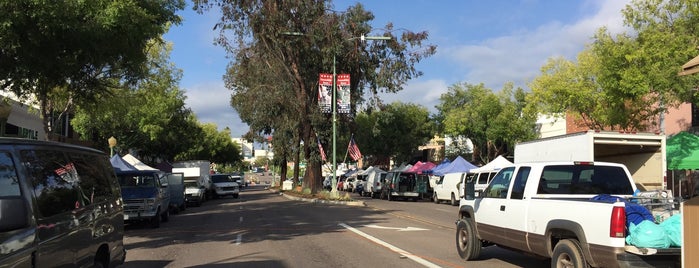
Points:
(458, 165)
(120, 164)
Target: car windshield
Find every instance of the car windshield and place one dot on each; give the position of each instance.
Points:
(221, 178)
(137, 181)
(191, 184)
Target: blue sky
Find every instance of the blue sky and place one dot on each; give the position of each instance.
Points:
(489, 42)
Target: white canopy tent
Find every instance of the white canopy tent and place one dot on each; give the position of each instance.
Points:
(497, 163)
(137, 163)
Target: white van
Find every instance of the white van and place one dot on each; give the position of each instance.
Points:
(374, 182)
(447, 188)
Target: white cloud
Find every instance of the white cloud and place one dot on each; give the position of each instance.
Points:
(211, 103)
(425, 93)
(517, 57)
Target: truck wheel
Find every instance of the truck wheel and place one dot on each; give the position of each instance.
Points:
(166, 215)
(453, 200)
(155, 221)
(435, 199)
(467, 244)
(567, 253)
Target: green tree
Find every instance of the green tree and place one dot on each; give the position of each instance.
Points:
(626, 81)
(214, 146)
(394, 132)
(149, 115)
(274, 70)
(63, 53)
(494, 122)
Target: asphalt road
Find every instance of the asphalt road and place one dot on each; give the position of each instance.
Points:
(265, 229)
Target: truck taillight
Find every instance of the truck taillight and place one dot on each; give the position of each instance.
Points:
(617, 226)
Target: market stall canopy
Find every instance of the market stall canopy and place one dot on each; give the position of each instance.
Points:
(421, 167)
(497, 163)
(441, 166)
(682, 151)
(137, 163)
(119, 164)
(458, 165)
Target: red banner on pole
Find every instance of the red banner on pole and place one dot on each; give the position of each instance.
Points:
(343, 93)
(325, 83)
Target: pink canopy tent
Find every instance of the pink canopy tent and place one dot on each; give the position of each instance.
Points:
(421, 167)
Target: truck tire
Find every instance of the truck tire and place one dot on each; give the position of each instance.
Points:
(435, 198)
(567, 253)
(467, 244)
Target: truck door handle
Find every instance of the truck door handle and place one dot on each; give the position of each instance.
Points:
(502, 208)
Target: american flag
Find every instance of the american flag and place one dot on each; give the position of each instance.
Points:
(353, 150)
(322, 152)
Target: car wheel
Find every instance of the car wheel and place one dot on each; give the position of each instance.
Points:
(467, 244)
(567, 253)
(235, 195)
(198, 203)
(183, 206)
(453, 200)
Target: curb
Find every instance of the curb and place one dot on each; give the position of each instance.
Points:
(320, 201)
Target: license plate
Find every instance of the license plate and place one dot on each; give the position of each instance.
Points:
(126, 217)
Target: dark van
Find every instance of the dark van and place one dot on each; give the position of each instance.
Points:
(60, 206)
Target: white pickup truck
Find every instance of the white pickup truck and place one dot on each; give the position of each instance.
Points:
(545, 209)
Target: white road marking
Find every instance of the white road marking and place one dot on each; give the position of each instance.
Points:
(403, 253)
(239, 239)
(396, 228)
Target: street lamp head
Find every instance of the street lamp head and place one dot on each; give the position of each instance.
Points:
(112, 142)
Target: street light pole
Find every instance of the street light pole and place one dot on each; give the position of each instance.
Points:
(363, 38)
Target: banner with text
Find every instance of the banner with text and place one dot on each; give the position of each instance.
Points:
(325, 83)
(343, 93)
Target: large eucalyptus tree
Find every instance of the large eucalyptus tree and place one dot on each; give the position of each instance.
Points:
(278, 49)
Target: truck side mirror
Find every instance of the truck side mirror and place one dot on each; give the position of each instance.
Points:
(470, 191)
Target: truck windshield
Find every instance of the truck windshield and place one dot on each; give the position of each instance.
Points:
(137, 181)
(221, 178)
(584, 179)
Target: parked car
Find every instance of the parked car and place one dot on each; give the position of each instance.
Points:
(146, 196)
(225, 185)
(195, 193)
(60, 206)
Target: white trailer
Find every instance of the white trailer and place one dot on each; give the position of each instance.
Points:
(642, 153)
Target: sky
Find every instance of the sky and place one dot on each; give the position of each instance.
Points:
(488, 42)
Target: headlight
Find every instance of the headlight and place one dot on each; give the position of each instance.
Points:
(150, 202)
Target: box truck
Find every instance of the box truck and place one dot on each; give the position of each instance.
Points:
(642, 153)
(196, 170)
